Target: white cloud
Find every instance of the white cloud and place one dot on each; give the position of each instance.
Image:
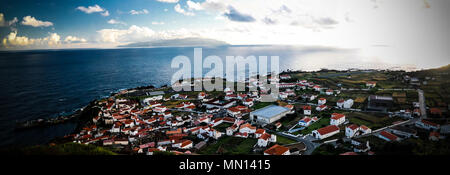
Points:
(94, 9)
(132, 34)
(73, 39)
(139, 12)
(31, 21)
(168, 1)
(12, 40)
(194, 5)
(113, 21)
(157, 23)
(106, 13)
(178, 9)
(4, 23)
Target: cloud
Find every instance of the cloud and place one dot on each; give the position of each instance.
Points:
(31, 21)
(270, 21)
(132, 34)
(94, 9)
(139, 12)
(233, 15)
(73, 39)
(326, 21)
(157, 23)
(12, 40)
(113, 21)
(194, 5)
(4, 23)
(178, 9)
(168, 1)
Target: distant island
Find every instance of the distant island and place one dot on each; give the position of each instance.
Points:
(184, 42)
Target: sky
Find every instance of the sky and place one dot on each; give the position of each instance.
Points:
(397, 31)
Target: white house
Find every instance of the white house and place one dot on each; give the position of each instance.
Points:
(307, 110)
(371, 84)
(259, 133)
(306, 121)
(365, 130)
(321, 107)
(247, 128)
(351, 130)
(277, 150)
(329, 92)
(263, 140)
(427, 125)
(348, 104)
(340, 103)
(337, 119)
(325, 132)
(321, 101)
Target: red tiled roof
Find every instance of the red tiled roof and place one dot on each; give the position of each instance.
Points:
(353, 127)
(265, 136)
(328, 129)
(185, 143)
(430, 123)
(364, 127)
(306, 107)
(260, 131)
(337, 116)
(276, 150)
(388, 135)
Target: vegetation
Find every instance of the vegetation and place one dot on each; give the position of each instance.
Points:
(230, 145)
(60, 149)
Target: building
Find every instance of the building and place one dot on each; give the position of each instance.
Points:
(306, 121)
(403, 131)
(277, 150)
(337, 119)
(379, 103)
(307, 110)
(425, 124)
(269, 114)
(215, 103)
(325, 132)
(351, 130)
(348, 104)
(340, 103)
(388, 136)
(371, 84)
(321, 107)
(321, 101)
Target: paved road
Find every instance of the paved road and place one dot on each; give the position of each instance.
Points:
(423, 110)
(310, 146)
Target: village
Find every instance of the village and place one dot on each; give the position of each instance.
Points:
(325, 113)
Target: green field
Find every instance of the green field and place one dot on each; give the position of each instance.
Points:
(324, 121)
(60, 149)
(370, 120)
(222, 127)
(281, 140)
(230, 145)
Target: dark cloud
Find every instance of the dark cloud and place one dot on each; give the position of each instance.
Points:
(233, 15)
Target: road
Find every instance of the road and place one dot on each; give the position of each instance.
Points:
(423, 110)
(310, 146)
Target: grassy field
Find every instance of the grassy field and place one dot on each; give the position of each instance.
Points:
(230, 145)
(324, 121)
(370, 120)
(222, 127)
(60, 149)
(261, 105)
(281, 140)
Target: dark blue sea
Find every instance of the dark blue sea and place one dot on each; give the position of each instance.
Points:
(50, 83)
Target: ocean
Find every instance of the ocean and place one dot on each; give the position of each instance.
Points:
(49, 83)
